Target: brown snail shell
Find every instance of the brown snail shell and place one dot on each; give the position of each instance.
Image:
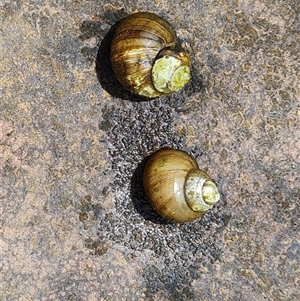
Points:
(176, 187)
(146, 57)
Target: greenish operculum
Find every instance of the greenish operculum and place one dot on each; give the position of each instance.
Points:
(200, 192)
(171, 71)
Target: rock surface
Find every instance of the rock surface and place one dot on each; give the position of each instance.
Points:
(75, 223)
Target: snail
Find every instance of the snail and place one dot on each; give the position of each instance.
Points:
(175, 186)
(146, 57)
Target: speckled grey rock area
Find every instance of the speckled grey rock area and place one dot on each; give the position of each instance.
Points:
(75, 224)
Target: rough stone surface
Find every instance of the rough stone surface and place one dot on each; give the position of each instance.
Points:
(75, 224)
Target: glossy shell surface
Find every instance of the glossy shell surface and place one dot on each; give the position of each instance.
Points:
(164, 179)
(137, 42)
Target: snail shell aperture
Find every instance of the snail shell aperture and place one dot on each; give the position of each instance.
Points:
(176, 187)
(146, 57)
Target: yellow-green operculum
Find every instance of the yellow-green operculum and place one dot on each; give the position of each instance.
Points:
(171, 72)
(142, 88)
(200, 192)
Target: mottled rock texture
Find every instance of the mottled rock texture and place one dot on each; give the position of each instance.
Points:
(75, 224)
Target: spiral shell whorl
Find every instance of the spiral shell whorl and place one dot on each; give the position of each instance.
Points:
(160, 178)
(137, 43)
(200, 192)
(175, 186)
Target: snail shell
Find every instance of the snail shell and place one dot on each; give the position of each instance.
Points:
(175, 186)
(146, 58)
